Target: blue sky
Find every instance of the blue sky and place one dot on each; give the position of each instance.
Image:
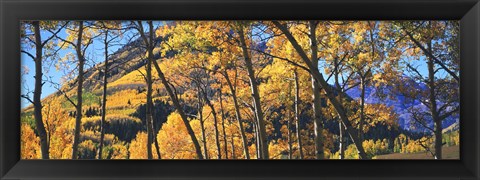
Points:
(94, 53)
(28, 81)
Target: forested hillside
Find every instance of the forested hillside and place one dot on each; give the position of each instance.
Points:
(240, 89)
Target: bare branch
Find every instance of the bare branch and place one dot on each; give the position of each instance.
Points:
(58, 88)
(29, 54)
(285, 59)
(429, 54)
(54, 34)
(442, 117)
(27, 98)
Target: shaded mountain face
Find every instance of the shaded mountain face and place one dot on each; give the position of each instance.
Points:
(401, 106)
(124, 117)
(122, 62)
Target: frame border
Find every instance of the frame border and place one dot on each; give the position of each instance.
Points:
(12, 11)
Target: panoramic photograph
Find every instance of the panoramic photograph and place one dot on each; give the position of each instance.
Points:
(240, 90)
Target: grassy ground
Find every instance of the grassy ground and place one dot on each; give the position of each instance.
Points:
(452, 152)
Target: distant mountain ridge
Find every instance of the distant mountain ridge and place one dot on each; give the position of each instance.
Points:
(398, 104)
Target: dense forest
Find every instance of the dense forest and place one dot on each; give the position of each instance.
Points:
(240, 89)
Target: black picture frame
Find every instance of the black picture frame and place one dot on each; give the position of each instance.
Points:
(13, 11)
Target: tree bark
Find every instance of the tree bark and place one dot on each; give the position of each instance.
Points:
(328, 91)
(257, 136)
(341, 135)
(362, 108)
(78, 119)
(342, 144)
(202, 126)
(178, 107)
(155, 141)
(37, 101)
(256, 98)
(233, 147)
(223, 124)
(297, 114)
(104, 98)
(433, 104)
(238, 116)
(289, 123)
(175, 101)
(317, 109)
(148, 108)
(215, 124)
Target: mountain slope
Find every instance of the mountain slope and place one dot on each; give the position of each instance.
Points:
(400, 105)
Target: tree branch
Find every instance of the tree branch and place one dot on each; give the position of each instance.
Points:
(29, 54)
(429, 54)
(27, 98)
(442, 117)
(54, 34)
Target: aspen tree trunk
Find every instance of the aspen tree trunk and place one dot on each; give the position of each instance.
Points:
(37, 101)
(433, 104)
(202, 126)
(256, 98)
(215, 125)
(178, 107)
(148, 108)
(289, 124)
(223, 123)
(78, 119)
(238, 116)
(155, 141)
(290, 141)
(150, 105)
(341, 135)
(255, 134)
(318, 125)
(104, 97)
(362, 108)
(328, 91)
(149, 42)
(154, 133)
(297, 114)
(175, 101)
(257, 137)
(233, 147)
(342, 144)
(317, 109)
(363, 85)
